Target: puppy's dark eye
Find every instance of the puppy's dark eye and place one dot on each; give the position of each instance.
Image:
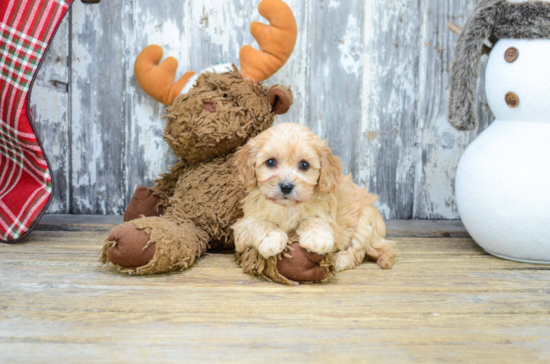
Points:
(304, 166)
(271, 163)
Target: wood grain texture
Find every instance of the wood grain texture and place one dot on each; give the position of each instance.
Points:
(148, 22)
(439, 145)
(50, 108)
(445, 301)
(394, 228)
(335, 34)
(370, 76)
(98, 85)
(386, 158)
(295, 72)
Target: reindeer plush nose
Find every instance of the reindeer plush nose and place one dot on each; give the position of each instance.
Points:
(286, 187)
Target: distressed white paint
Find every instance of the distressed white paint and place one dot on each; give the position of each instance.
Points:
(146, 153)
(385, 161)
(440, 146)
(295, 72)
(369, 75)
(350, 58)
(50, 107)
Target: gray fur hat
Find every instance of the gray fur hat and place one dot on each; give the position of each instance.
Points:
(491, 20)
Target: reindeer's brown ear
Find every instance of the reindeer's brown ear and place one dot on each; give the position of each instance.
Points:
(331, 171)
(280, 99)
(246, 163)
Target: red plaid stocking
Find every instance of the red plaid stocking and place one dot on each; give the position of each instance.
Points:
(26, 29)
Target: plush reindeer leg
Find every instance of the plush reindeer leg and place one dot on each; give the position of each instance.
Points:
(152, 245)
(144, 203)
(293, 266)
(297, 264)
(153, 201)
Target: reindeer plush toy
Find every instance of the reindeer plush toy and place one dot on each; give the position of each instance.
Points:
(210, 115)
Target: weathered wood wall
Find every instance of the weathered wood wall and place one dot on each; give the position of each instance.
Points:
(372, 76)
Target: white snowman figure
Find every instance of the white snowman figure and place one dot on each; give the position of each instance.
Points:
(503, 179)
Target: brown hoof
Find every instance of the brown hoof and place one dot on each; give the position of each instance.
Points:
(144, 203)
(303, 266)
(129, 251)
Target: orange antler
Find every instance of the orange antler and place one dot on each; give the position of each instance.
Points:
(276, 40)
(159, 80)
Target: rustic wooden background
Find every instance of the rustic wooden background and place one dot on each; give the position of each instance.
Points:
(372, 76)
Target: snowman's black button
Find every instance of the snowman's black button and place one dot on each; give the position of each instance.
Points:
(512, 99)
(511, 54)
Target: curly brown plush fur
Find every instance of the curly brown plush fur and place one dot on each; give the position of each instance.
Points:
(208, 194)
(201, 193)
(242, 111)
(495, 19)
(176, 242)
(199, 199)
(210, 115)
(253, 263)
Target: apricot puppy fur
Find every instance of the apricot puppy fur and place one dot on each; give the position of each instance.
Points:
(295, 184)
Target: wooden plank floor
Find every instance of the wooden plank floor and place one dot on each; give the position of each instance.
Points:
(444, 301)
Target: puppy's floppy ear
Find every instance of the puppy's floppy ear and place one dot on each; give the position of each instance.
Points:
(246, 161)
(331, 171)
(280, 99)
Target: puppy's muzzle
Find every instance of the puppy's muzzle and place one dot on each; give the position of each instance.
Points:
(286, 188)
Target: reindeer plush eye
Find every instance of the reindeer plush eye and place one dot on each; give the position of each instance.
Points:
(304, 166)
(271, 163)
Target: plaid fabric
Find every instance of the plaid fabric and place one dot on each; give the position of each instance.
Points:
(26, 29)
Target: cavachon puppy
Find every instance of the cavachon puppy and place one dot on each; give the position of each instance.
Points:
(296, 187)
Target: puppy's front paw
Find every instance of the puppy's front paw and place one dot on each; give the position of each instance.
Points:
(385, 261)
(273, 244)
(320, 242)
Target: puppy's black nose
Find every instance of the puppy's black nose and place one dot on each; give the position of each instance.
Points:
(286, 187)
